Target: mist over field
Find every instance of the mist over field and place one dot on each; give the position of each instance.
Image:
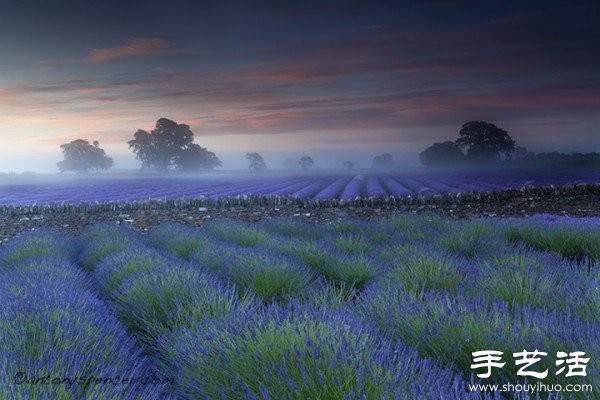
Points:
(334, 80)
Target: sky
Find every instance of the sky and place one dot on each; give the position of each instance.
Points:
(337, 80)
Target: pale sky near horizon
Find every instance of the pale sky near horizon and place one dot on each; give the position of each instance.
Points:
(333, 79)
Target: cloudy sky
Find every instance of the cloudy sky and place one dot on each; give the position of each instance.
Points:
(333, 79)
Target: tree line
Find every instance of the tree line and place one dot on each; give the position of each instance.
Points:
(170, 146)
(482, 143)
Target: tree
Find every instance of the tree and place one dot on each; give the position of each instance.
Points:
(81, 156)
(348, 165)
(442, 154)
(194, 158)
(485, 142)
(257, 163)
(306, 162)
(520, 152)
(170, 144)
(383, 161)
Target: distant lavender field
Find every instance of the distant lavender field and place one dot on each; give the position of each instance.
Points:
(116, 188)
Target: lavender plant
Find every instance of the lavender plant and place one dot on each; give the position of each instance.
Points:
(42, 242)
(566, 237)
(450, 328)
(101, 240)
(300, 354)
(151, 303)
(236, 233)
(116, 268)
(476, 238)
(177, 239)
(289, 228)
(421, 270)
(523, 278)
(55, 334)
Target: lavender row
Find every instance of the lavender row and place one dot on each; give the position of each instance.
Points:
(57, 338)
(318, 187)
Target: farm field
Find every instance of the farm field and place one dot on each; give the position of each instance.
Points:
(283, 309)
(325, 186)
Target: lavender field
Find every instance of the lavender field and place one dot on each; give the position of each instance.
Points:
(289, 310)
(117, 188)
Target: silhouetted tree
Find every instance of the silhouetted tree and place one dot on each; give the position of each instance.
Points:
(81, 156)
(348, 165)
(383, 161)
(442, 154)
(485, 142)
(171, 144)
(520, 152)
(306, 162)
(257, 163)
(194, 158)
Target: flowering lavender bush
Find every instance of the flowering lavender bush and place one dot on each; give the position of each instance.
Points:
(52, 325)
(287, 309)
(150, 303)
(374, 188)
(393, 187)
(449, 328)
(43, 242)
(116, 268)
(236, 233)
(296, 353)
(412, 227)
(351, 271)
(525, 278)
(101, 240)
(578, 241)
(476, 238)
(354, 244)
(177, 239)
(354, 188)
(419, 270)
(291, 228)
(270, 276)
(334, 190)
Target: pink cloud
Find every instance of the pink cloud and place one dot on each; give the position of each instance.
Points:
(132, 48)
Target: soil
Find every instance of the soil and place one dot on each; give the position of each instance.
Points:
(572, 200)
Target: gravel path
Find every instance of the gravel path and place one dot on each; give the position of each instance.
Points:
(575, 201)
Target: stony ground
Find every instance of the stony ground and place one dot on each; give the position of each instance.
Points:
(576, 201)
